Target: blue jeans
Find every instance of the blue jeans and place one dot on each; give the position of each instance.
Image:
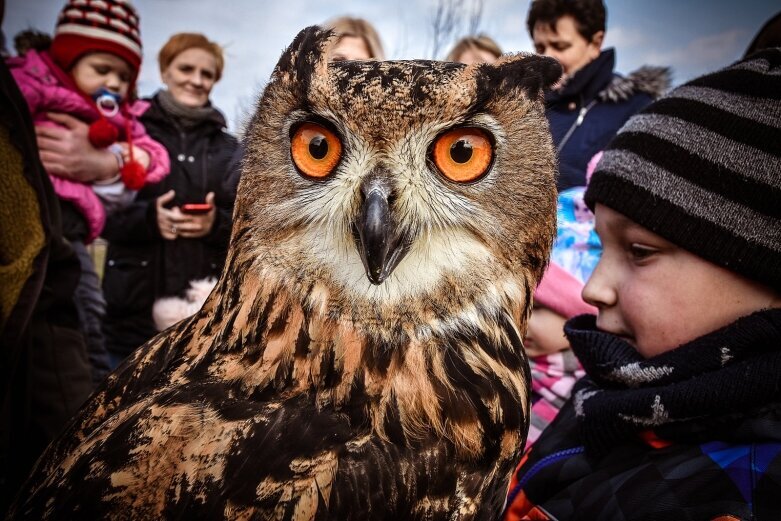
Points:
(91, 307)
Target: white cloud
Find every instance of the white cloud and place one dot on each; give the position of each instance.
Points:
(702, 54)
(625, 38)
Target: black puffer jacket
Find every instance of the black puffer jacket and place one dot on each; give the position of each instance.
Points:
(140, 265)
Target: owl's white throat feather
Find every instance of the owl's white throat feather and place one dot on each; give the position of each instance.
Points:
(431, 256)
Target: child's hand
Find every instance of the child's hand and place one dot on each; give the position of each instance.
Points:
(139, 154)
(545, 333)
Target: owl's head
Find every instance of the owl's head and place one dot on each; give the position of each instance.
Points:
(390, 183)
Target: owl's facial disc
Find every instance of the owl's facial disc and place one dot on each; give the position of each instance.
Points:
(377, 236)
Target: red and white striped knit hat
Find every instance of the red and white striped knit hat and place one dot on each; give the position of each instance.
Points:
(97, 26)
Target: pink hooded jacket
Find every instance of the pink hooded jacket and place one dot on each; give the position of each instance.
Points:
(48, 89)
(560, 292)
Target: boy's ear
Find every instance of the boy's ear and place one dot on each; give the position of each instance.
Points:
(531, 73)
(598, 39)
(306, 56)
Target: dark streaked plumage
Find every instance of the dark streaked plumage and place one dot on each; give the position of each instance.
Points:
(306, 389)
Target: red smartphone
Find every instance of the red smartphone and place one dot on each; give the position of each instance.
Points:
(196, 208)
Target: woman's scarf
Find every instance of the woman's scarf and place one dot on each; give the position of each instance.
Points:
(188, 116)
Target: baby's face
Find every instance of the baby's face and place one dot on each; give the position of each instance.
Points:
(102, 70)
(658, 296)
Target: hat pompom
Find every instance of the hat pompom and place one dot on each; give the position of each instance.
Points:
(133, 175)
(102, 133)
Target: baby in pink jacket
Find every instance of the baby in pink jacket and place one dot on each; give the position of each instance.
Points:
(89, 72)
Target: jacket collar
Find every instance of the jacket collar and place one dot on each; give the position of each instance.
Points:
(588, 81)
(653, 81)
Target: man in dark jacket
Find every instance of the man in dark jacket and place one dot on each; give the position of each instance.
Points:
(142, 264)
(679, 414)
(591, 102)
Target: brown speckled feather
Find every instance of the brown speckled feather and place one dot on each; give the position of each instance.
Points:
(301, 390)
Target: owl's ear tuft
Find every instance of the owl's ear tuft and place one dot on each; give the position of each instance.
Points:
(529, 72)
(307, 55)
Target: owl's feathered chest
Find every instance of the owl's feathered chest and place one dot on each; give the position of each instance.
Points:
(265, 404)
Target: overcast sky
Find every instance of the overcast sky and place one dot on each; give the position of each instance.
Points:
(690, 36)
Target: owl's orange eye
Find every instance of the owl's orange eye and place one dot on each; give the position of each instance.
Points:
(315, 149)
(463, 154)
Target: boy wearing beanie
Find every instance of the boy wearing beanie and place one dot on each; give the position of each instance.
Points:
(679, 414)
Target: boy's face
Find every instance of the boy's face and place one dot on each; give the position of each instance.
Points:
(101, 69)
(658, 296)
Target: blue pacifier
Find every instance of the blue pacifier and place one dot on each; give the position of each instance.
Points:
(107, 102)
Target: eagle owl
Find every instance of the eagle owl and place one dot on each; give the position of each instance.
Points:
(361, 355)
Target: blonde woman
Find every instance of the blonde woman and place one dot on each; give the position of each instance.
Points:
(358, 40)
(475, 49)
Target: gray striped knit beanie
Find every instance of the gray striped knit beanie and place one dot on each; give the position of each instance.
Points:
(701, 167)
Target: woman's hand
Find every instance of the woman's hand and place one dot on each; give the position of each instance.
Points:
(167, 219)
(195, 226)
(174, 223)
(66, 151)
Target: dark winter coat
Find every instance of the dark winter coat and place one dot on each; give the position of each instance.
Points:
(140, 265)
(44, 371)
(588, 110)
(691, 434)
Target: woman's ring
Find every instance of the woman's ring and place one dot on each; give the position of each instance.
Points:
(173, 229)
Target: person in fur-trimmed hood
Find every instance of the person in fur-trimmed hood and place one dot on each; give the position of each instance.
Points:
(591, 102)
(679, 414)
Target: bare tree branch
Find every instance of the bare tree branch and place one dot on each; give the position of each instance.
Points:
(475, 17)
(451, 18)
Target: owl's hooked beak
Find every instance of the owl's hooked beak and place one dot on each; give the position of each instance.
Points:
(376, 235)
